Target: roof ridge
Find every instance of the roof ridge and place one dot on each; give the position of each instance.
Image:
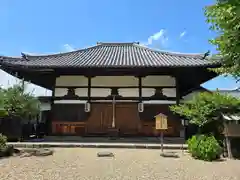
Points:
(117, 43)
(170, 52)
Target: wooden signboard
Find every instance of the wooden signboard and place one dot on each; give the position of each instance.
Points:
(161, 122)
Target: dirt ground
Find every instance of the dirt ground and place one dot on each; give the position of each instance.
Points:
(127, 164)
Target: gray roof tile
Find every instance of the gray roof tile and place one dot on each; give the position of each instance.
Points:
(122, 55)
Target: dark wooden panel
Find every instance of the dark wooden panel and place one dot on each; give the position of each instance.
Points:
(69, 112)
(68, 128)
(148, 120)
(128, 120)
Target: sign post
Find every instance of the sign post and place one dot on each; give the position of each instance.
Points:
(161, 124)
(183, 135)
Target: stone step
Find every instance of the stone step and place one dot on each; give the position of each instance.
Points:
(95, 145)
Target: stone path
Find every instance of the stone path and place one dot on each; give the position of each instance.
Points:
(126, 164)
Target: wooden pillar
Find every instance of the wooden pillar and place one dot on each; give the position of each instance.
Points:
(89, 88)
(114, 112)
(228, 141)
(49, 121)
(178, 96)
(140, 88)
(229, 148)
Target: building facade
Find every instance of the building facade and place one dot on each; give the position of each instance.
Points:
(112, 88)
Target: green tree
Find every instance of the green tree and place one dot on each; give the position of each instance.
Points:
(3, 112)
(224, 18)
(205, 111)
(17, 103)
(206, 108)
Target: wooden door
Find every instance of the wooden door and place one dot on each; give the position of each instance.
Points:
(100, 118)
(127, 118)
(107, 116)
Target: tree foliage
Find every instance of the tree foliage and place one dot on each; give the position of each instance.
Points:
(224, 17)
(15, 102)
(2, 110)
(206, 107)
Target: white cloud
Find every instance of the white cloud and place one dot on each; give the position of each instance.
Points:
(160, 38)
(68, 48)
(182, 34)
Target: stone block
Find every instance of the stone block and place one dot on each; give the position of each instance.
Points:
(105, 154)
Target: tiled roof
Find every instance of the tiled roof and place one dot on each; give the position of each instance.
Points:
(116, 55)
(233, 92)
(232, 117)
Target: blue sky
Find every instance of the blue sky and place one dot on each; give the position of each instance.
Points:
(50, 26)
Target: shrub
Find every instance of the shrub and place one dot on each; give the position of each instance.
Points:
(204, 147)
(8, 150)
(5, 150)
(3, 141)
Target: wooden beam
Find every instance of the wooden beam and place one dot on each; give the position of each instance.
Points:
(118, 87)
(85, 98)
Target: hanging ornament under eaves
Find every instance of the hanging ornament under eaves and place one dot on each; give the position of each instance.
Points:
(87, 107)
(140, 107)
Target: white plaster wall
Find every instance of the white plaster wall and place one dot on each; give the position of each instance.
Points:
(115, 81)
(98, 92)
(170, 92)
(45, 106)
(71, 81)
(146, 92)
(158, 81)
(59, 92)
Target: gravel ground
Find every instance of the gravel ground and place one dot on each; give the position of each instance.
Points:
(128, 164)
